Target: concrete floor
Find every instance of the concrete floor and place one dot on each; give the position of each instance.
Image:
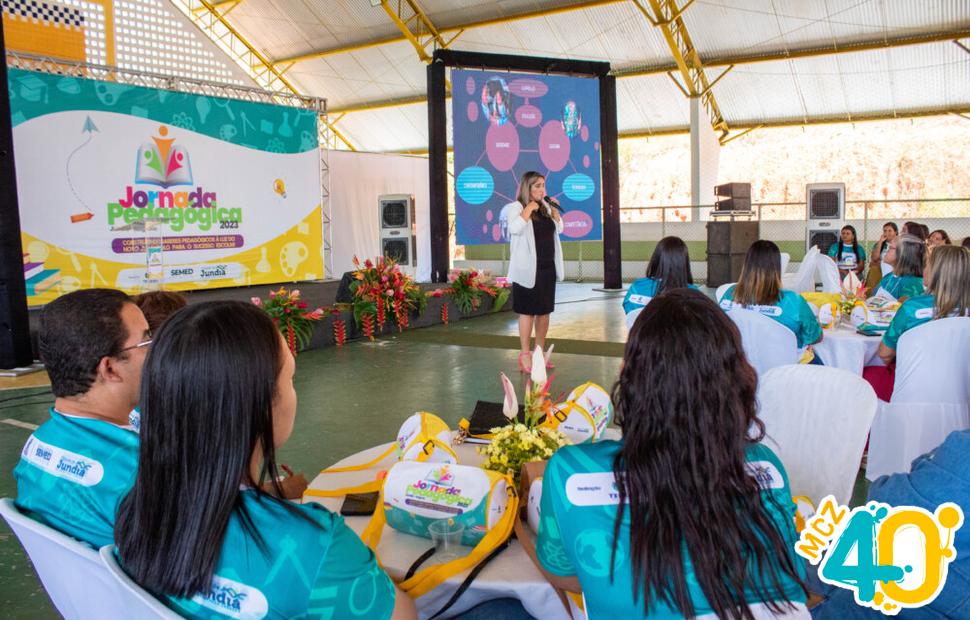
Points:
(354, 397)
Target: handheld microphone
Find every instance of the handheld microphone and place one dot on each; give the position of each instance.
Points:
(552, 203)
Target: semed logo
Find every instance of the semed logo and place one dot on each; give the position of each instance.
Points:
(62, 463)
(234, 599)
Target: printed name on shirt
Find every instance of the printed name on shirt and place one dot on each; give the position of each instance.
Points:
(640, 299)
(234, 599)
(62, 463)
(728, 304)
(599, 489)
(923, 313)
(766, 474)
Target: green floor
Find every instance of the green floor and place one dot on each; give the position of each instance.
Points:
(357, 396)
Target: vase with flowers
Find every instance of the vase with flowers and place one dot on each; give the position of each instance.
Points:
(381, 291)
(533, 438)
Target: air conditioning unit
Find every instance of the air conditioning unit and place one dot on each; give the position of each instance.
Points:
(398, 237)
(825, 212)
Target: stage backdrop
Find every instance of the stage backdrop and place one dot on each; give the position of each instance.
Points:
(506, 124)
(236, 186)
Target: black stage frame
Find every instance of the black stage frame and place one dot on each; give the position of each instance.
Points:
(438, 146)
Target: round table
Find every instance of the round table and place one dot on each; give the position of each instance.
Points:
(510, 575)
(844, 347)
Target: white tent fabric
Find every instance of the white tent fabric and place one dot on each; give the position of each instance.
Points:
(931, 396)
(356, 180)
(766, 342)
(809, 411)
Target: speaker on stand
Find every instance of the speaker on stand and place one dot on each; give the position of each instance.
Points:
(730, 233)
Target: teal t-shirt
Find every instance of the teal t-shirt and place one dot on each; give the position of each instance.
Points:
(577, 514)
(73, 473)
(792, 311)
(639, 294)
(914, 312)
(847, 260)
(313, 568)
(894, 287)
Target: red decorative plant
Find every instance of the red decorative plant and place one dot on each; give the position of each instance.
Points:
(291, 316)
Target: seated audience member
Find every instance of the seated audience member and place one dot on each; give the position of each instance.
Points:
(941, 476)
(197, 529)
(966, 242)
(918, 230)
(76, 467)
(669, 268)
(947, 294)
(689, 454)
(907, 255)
(159, 305)
(848, 254)
(759, 289)
(938, 237)
(878, 266)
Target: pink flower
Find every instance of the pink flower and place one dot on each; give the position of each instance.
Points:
(272, 294)
(384, 279)
(389, 292)
(295, 294)
(256, 301)
(437, 292)
(315, 315)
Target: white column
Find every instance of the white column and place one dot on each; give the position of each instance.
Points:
(705, 152)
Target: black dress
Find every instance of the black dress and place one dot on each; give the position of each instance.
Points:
(541, 298)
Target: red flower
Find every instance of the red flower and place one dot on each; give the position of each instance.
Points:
(302, 305)
(368, 264)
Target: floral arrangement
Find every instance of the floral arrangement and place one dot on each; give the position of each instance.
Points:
(518, 443)
(468, 285)
(290, 315)
(380, 290)
(853, 292)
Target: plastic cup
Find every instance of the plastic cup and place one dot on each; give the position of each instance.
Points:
(446, 535)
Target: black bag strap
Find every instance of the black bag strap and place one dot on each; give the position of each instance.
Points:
(471, 576)
(417, 563)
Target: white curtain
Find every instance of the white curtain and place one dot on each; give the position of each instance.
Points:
(356, 180)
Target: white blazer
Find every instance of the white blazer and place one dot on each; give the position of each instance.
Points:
(522, 238)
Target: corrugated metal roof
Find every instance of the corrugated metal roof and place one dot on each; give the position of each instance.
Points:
(932, 76)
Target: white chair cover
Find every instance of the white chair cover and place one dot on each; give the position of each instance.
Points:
(719, 293)
(828, 273)
(766, 342)
(72, 573)
(803, 279)
(140, 605)
(817, 420)
(785, 259)
(931, 396)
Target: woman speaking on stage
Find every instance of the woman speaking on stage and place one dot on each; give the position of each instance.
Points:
(535, 261)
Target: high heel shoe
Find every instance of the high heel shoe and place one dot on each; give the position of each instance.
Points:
(525, 366)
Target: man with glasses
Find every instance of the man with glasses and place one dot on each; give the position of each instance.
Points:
(76, 467)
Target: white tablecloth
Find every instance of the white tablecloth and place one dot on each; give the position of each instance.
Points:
(845, 348)
(510, 575)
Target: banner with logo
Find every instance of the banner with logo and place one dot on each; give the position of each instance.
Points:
(506, 124)
(128, 187)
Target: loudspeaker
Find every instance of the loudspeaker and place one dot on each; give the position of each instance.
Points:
(825, 212)
(398, 239)
(738, 197)
(727, 244)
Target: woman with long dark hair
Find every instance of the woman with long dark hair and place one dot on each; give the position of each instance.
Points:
(906, 254)
(848, 252)
(535, 261)
(688, 514)
(197, 529)
(669, 268)
(759, 289)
